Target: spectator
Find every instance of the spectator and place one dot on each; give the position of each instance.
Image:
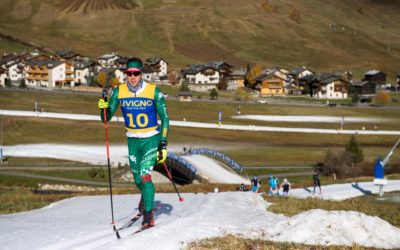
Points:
(243, 188)
(272, 185)
(316, 181)
(277, 186)
(255, 184)
(285, 187)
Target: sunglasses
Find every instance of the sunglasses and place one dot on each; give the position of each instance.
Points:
(135, 73)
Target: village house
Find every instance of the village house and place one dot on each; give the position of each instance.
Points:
(270, 84)
(108, 60)
(363, 88)
(204, 77)
(84, 71)
(201, 77)
(155, 69)
(224, 68)
(296, 75)
(236, 79)
(15, 72)
(14, 69)
(3, 77)
(377, 77)
(120, 63)
(330, 86)
(49, 74)
(284, 74)
(185, 96)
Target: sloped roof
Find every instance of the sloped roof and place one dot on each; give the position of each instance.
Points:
(298, 71)
(359, 83)
(262, 77)
(196, 68)
(185, 93)
(219, 64)
(154, 60)
(8, 58)
(67, 54)
(48, 63)
(108, 56)
(81, 64)
(328, 78)
(372, 72)
(239, 72)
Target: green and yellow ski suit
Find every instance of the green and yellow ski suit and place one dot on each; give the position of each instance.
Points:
(140, 110)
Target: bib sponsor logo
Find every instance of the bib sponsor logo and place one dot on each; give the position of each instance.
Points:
(136, 103)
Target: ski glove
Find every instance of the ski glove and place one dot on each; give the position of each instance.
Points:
(102, 104)
(162, 152)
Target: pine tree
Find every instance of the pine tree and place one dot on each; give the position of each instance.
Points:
(354, 149)
(214, 94)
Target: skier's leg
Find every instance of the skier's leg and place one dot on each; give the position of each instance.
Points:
(134, 163)
(149, 158)
(319, 186)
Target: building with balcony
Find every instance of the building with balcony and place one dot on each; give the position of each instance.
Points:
(49, 74)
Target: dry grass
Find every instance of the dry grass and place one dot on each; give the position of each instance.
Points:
(230, 242)
(368, 204)
(18, 199)
(178, 31)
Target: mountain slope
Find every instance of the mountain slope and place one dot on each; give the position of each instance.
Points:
(355, 35)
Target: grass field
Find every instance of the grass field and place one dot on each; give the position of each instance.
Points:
(243, 146)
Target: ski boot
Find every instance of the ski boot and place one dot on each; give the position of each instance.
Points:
(148, 219)
(140, 206)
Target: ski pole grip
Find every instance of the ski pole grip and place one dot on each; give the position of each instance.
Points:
(104, 95)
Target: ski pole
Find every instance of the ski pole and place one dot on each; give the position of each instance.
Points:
(109, 166)
(173, 183)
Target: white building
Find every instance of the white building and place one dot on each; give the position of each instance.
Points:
(155, 69)
(3, 76)
(108, 60)
(202, 77)
(83, 70)
(333, 87)
(15, 72)
(119, 74)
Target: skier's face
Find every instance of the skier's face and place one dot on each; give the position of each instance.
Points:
(134, 77)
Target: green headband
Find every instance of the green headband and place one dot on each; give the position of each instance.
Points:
(134, 64)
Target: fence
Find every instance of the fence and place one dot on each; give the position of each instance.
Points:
(182, 162)
(211, 152)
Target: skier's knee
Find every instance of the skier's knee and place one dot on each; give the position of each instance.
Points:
(145, 178)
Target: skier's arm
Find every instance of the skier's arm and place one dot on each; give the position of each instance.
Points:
(112, 105)
(162, 113)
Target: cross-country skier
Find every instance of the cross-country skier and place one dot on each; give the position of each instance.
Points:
(140, 103)
(316, 181)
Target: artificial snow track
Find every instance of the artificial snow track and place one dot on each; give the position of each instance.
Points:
(84, 223)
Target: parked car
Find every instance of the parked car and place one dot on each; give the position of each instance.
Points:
(331, 104)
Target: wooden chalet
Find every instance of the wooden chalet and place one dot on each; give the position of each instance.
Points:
(330, 86)
(363, 88)
(375, 76)
(270, 84)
